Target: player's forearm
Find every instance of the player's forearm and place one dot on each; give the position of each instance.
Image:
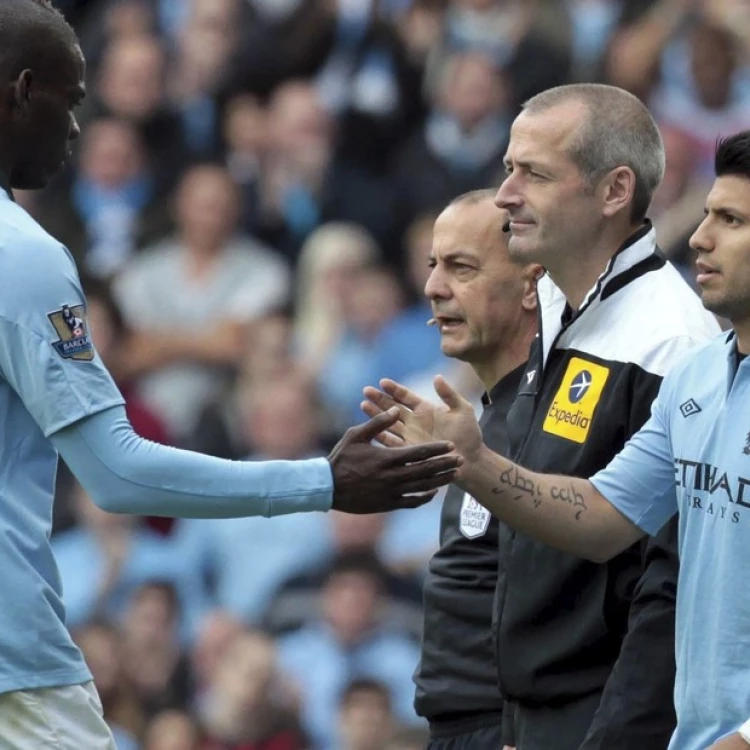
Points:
(124, 473)
(564, 512)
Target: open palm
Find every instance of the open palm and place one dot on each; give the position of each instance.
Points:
(421, 421)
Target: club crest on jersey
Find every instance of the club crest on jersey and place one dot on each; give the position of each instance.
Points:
(74, 340)
(475, 518)
(572, 409)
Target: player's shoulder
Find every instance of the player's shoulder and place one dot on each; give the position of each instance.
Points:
(37, 271)
(704, 362)
(25, 244)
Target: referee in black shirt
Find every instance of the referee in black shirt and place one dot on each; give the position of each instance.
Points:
(485, 309)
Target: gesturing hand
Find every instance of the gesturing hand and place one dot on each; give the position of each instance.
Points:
(369, 479)
(421, 421)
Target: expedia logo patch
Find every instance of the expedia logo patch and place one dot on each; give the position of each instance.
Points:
(573, 406)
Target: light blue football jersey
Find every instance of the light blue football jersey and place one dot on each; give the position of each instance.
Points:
(50, 377)
(693, 457)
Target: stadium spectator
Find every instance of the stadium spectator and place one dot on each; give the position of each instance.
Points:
(108, 209)
(130, 85)
(244, 706)
(267, 356)
(100, 643)
(106, 557)
(461, 144)
(189, 299)
(198, 77)
(369, 302)
(348, 641)
(365, 718)
(214, 633)
(172, 730)
(305, 182)
(153, 659)
(298, 602)
(245, 139)
(279, 420)
(330, 257)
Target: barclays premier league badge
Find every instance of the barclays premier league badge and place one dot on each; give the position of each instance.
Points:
(74, 341)
(475, 518)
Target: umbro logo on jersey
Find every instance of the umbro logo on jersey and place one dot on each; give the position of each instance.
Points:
(689, 408)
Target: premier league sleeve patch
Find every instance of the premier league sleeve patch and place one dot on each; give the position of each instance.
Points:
(475, 518)
(74, 340)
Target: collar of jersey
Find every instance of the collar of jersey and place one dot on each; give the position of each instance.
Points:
(640, 246)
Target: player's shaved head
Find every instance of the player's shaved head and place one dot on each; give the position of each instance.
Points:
(42, 80)
(33, 35)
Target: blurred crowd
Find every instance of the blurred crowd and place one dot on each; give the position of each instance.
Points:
(250, 208)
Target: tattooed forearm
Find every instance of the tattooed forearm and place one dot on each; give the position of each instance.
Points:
(565, 512)
(569, 494)
(518, 484)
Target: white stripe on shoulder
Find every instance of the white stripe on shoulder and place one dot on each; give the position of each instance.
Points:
(652, 322)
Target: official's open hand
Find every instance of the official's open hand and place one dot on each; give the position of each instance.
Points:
(370, 479)
(421, 421)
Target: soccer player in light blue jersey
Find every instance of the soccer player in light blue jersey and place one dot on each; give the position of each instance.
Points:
(56, 397)
(691, 458)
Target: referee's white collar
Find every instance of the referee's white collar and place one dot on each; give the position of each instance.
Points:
(637, 248)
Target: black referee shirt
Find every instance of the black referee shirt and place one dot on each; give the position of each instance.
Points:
(457, 673)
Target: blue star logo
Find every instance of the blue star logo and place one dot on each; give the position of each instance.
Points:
(580, 386)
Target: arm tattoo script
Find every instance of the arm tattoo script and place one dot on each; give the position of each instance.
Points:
(516, 484)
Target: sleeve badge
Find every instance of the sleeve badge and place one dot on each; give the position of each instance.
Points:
(74, 340)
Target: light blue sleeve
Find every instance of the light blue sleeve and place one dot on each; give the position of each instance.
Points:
(123, 473)
(640, 480)
(46, 353)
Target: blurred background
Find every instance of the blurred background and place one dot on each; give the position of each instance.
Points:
(250, 208)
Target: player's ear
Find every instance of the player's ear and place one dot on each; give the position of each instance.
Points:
(531, 274)
(618, 188)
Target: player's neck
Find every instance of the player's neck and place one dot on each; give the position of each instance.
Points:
(579, 270)
(507, 358)
(742, 330)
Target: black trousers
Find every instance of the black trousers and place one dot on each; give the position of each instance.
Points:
(483, 733)
(548, 728)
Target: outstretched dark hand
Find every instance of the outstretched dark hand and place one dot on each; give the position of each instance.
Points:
(370, 479)
(421, 421)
